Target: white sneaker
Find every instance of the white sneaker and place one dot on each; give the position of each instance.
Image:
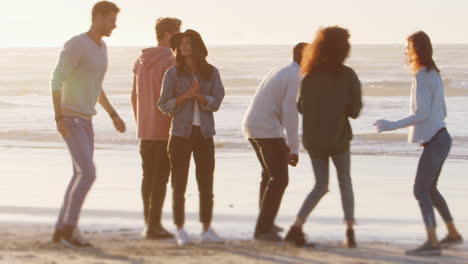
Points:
(211, 236)
(77, 236)
(182, 237)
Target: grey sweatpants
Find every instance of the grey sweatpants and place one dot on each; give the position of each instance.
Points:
(80, 143)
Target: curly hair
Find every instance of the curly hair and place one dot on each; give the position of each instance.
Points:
(422, 48)
(327, 52)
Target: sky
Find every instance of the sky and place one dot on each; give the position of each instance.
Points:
(232, 22)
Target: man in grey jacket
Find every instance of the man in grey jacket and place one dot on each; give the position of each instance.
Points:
(273, 111)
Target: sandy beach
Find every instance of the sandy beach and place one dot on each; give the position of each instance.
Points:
(30, 244)
(388, 217)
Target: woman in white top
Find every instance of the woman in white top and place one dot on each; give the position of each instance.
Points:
(427, 128)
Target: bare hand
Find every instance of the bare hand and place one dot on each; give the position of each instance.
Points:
(196, 88)
(193, 91)
(384, 125)
(119, 124)
(293, 159)
(62, 127)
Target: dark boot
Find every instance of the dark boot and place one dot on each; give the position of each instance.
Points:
(296, 236)
(350, 240)
(268, 237)
(158, 233)
(57, 236)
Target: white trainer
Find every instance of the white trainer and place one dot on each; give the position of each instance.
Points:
(211, 236)
(182, 237)
(77, 236)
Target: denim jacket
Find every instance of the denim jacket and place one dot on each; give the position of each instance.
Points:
(175, 85)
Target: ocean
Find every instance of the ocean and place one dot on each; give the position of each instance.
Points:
(27, 111)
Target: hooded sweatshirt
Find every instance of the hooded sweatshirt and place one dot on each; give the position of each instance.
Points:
(148, 72)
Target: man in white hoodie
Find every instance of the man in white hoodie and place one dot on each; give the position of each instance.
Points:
(152, 125)
(271, 112)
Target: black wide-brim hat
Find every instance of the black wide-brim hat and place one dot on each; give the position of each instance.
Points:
(195, 37)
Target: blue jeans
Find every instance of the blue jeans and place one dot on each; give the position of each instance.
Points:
(343, 170)
(425, 186)
(80, 143)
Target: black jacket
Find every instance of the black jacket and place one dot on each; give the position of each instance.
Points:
(326, 100)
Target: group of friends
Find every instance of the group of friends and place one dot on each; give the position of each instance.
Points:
(175, 93)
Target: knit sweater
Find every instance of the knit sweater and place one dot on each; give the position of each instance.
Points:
(427, 109)
(273, 108)
(79, 74)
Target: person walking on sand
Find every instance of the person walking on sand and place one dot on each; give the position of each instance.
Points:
(427, 128)
(192, 90)
(153, 125)
(329, 95)
(76, 87)
(271, 112)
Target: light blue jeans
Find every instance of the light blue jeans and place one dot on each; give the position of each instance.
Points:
(80, 143)
(321, 170)
(425, 185)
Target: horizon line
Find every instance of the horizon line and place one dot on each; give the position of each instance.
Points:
(219, 45)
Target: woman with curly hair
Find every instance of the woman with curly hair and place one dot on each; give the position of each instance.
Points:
(427, 128)
(330, 94)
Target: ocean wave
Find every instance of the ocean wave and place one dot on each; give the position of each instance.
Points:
(6, 105)
(240, 91)
(456, 84)
(227, 141)
(395, 137)
(24, 91)
(241, 81)
(449, 83)
(244, 85)
(390, 144)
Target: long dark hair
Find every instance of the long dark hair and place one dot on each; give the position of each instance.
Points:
(327, 52)
(422, 48)
(202, 67)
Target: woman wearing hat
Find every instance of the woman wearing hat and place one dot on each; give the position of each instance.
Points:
(192, 90)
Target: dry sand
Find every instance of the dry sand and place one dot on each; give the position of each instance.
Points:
(31, 244)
